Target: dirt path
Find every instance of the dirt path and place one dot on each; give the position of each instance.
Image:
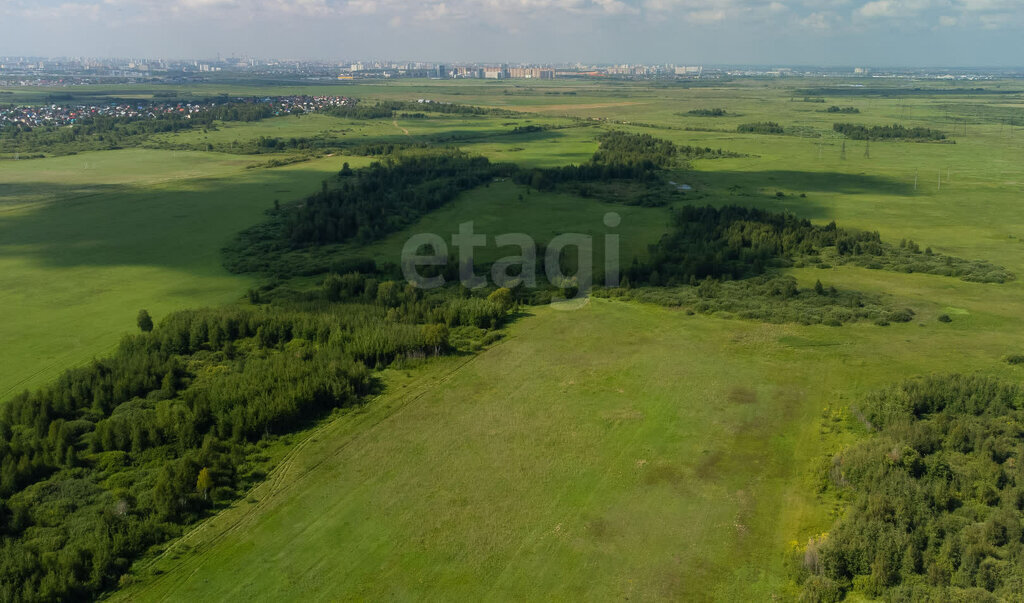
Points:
(404, 131)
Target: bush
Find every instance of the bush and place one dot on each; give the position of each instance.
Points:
(819, 589)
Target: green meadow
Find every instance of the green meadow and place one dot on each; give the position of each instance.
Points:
(87, 240)
(618, 450)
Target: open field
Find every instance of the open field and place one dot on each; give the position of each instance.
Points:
(620, 450)
(649, 454)
(87, 240)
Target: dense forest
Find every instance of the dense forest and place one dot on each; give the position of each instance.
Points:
(935, 498)
(893, 132)
(735, 242)
(364, 206)
(119, 455)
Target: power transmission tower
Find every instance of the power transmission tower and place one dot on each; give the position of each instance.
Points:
(915, 179)
(867, 149)
(842, 153)
(940, 181)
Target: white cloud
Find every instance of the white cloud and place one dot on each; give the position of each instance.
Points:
(616, 7)
(841, 16)
(818, 21)
(706, 16)
(894, 8)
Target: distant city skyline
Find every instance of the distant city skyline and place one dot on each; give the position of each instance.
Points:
(953, 33)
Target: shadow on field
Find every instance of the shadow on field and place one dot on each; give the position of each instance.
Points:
(184, 224)
(796, 182)
(762, 189)
(180, 224)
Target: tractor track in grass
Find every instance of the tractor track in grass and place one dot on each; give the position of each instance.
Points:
(283, 478)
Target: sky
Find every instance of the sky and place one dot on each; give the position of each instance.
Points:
(879, 33)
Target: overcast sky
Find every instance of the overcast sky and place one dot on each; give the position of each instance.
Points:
(807, 32)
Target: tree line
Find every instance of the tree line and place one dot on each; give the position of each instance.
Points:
(716, 112)
(761, 127)
(735, 242)
(121, 454)
(838, 109)
(893, 132)
(388, 109)
(365, 205)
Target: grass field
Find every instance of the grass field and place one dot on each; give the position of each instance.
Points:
(505, 207)
(619, 450)
(87, 240)
(616, 451)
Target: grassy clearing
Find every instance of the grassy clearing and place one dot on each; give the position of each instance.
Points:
(87, 240)
(504, 207)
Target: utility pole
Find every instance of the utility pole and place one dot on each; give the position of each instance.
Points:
(915, 179)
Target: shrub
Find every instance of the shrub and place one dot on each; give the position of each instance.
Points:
(819, 589)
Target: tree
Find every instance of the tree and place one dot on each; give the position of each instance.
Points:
(502, 297)
(819, 288)
(144, 321)
(204, 483)
(436, 336)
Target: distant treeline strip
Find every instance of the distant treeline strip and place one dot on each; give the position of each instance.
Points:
(388, 109)
(893, 132)
(900, 92)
